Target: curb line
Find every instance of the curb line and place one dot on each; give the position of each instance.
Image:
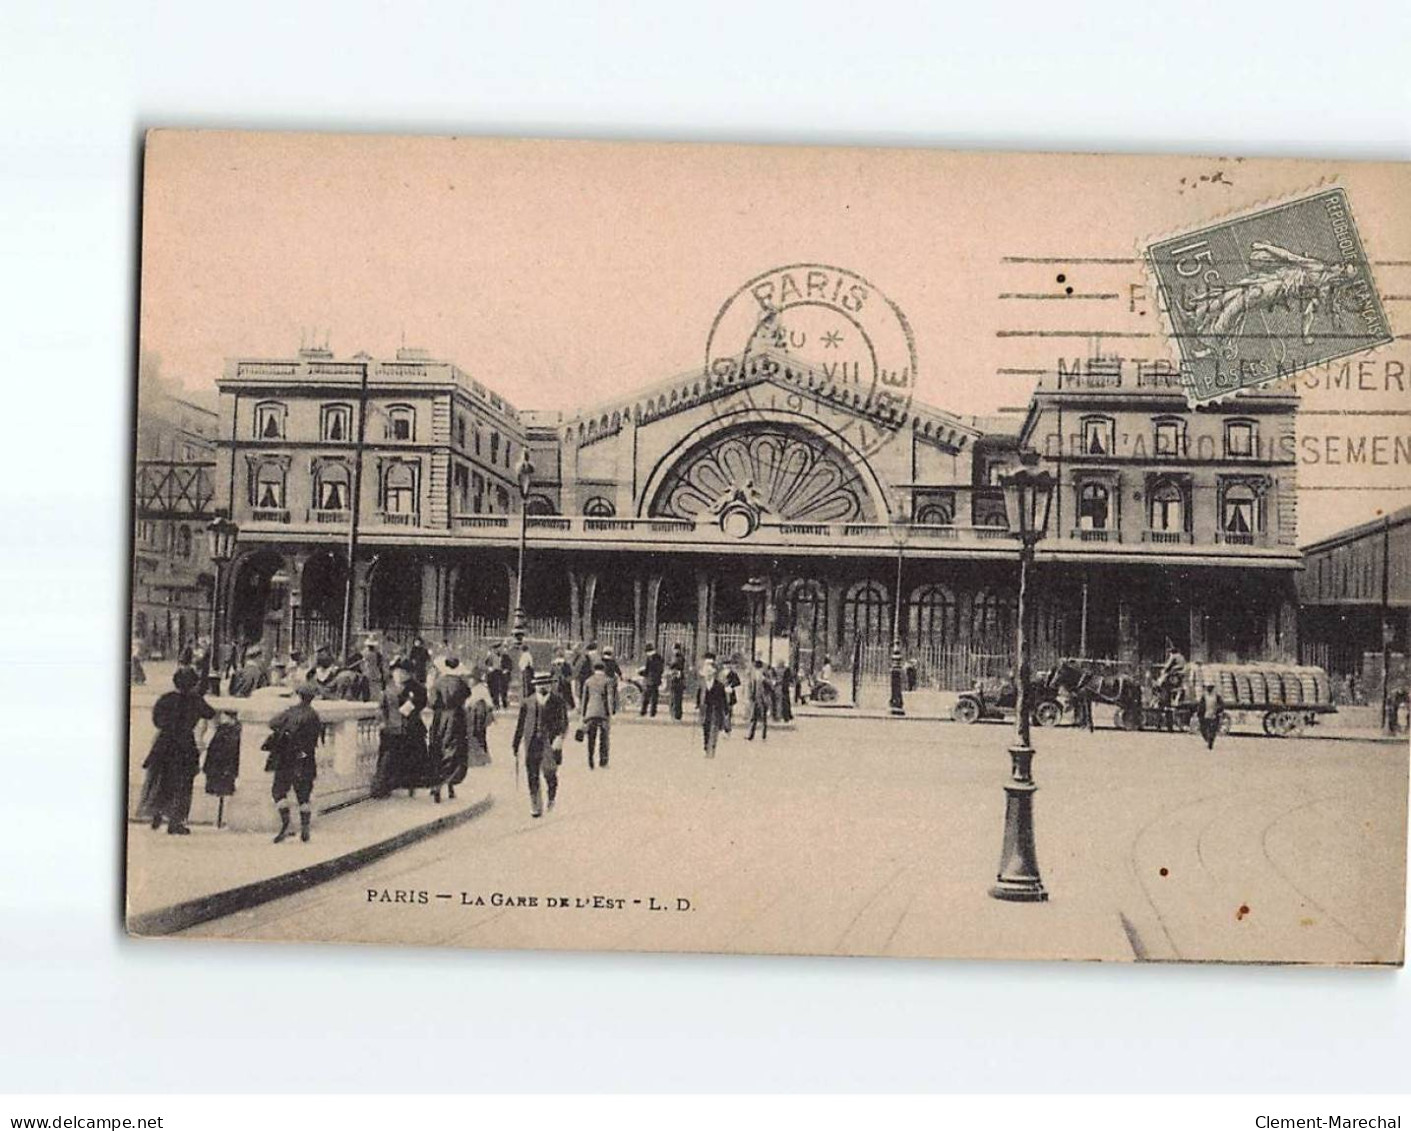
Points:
(202, 909)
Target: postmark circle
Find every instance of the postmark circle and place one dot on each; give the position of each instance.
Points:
(818, 339)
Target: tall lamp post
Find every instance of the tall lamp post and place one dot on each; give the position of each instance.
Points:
(525, 475)
(221, 536)
(1028, 495)
(901, 531)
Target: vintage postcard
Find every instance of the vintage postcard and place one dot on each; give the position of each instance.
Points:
(771, 550)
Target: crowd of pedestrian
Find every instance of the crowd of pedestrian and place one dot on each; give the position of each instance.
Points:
(583, 680)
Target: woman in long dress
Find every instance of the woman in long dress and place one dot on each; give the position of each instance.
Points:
(480, 713)
(174, 760)
(449, 741)
(401, 756)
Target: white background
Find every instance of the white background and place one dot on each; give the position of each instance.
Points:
(83, 1008)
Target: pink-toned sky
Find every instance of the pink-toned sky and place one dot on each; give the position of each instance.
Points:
(564, 273)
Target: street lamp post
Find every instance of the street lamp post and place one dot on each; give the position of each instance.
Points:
(1028, 494)
(526, 479)
(221, 536)
(901, 531)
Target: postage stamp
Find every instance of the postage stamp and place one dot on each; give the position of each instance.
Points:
(1260, 297)
(840, 346)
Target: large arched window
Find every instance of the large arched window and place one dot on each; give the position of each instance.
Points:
(991, 621)
(931, 615)
(269, 420)
(865, 609)
(1094, 506)
(1168, 507)
(399, 489)
(267, 486)
(331, 487)
(599, 507)
(1241, 513)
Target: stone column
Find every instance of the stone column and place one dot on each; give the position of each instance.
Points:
(361, 568)
(576, 628)
(1200, 638)
(431, 605)
(1128, 646)
(590, 590)
(649, 609)
(835, 618)
(702, 613)
(637, 616)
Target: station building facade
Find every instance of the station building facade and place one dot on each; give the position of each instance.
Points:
(771, 506)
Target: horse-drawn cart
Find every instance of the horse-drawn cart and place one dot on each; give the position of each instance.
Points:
(1285, 697)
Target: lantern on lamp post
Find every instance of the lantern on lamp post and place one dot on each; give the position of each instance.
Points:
(1028, 495)
(221, 536)
(525, 475)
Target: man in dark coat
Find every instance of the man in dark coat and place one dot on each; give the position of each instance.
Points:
(419, 660)
(449, 740)
(676, 681)
(174, 760)
(543, 719)
(785, 697)
(293, 742)
(252, 675)
(614, 674)
(761, 693)
(652, 672)
(597, 714)
(715, 707)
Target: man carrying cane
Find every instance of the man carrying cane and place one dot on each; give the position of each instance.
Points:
(543, 720)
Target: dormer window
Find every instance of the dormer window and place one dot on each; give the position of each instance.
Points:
(1099, 435)
(1169, 436)
(401, 422)
(1241, 439)
(269, 420)
(335, 423)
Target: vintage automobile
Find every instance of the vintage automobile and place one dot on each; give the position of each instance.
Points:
(999, 700)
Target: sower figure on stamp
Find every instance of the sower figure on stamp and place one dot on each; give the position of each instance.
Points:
(449, 741)
(1209, 709)
(652, 672)
(293, 740)
(543, 720)
(597, 712)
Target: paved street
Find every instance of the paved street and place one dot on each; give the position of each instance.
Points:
(879, 837)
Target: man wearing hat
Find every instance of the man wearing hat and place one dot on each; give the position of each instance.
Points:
(543, 720)
(294, 735)
(252, 676)
(614, 674)
(375, 670)
(1209, 709)
(324, 672)
(652, 671)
